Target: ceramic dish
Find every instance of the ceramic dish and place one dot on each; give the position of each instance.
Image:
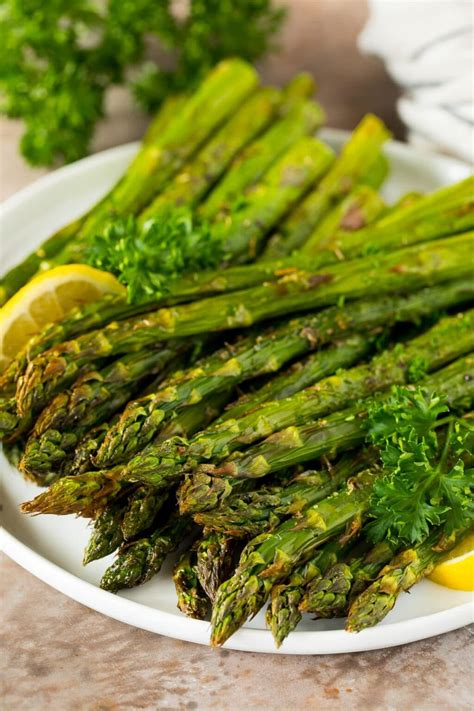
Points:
(51, 547)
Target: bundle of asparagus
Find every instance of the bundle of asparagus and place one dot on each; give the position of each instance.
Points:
(188, 419)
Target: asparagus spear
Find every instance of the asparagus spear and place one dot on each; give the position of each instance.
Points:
(202, 171)
(215, 560)
(74, 494)
(141, 418)
(283, 613)
(170, 107)
(192, 600)
(242, 231)
(401, 271)
(138, 561)
(94, 397)
(450, 338)
(406, 569)
(20, 274)
(248, 514)
(329, 596)
(231, 365)
(81, 459)
(271, 557)
(142, 507)
(106, 533)
(79, 320)
(360, 208)
(218, 96)
(348, 170)
(337, 433)
(87, 492)
(302, 374)
(446, 211)
(406, 200)
(302, 119)
(160, 466)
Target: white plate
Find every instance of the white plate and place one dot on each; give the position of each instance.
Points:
(51, 547)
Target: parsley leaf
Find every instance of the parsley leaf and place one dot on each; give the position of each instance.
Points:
(148, 258)
(419, 487)
(59, 57)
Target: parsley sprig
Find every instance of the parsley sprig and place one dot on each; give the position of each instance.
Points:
(425, 482)
(148, 258)
(59, 57)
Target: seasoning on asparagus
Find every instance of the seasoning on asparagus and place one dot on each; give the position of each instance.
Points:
(192, 600)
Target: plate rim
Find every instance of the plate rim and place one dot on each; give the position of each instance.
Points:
(162, 622)
(247, 639)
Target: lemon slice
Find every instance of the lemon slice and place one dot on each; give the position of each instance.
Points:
(457, 569)
(46, 298)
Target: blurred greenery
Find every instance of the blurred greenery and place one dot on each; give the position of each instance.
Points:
(58, 58)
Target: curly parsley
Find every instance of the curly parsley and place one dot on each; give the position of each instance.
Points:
(424, 482)
(58, 58)
(148, 258)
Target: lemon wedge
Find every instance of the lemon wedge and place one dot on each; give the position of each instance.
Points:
(457, 569)
(46, 298)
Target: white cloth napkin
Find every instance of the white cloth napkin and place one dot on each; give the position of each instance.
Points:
(428, 48)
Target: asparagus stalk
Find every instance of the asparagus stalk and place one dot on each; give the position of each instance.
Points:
(302, 374)
(329, 596)
(202, 171)
(94, 397)
(162, 465)
(217, 98)
(406, 200)
(192, 600)
(215, 560)
(337, 433)
(75, 494)
(243, 230)
(79, 320)
(406, 569)
(248, 514)
(140, 420)
(300, 118)
(449, 339)
(270, 558)
(232, 364)
(446, 211)
(283, 613)
(347, 171)
(397, 272)
(360, 208)
(106, 533)
(141, 510)
(88, 492)
(138, 561)
(81, 459)
(170, 108)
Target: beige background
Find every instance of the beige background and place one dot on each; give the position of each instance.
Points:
(59, 655)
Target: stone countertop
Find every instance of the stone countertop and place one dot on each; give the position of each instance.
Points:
(58, 654)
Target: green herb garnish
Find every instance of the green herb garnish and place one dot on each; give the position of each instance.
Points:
(147, 258)
(59, 57)
(424, 481)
